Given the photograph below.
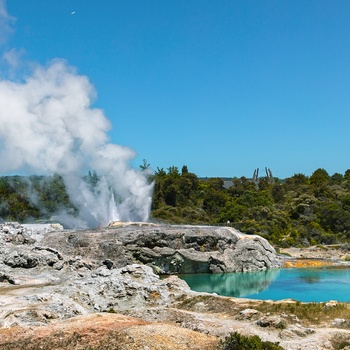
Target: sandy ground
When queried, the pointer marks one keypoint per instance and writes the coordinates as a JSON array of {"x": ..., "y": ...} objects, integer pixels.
[{"x": 105, "y": 331}]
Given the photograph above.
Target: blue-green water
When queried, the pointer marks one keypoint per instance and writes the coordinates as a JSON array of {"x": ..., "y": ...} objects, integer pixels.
[{"x": 316, "y": 284}]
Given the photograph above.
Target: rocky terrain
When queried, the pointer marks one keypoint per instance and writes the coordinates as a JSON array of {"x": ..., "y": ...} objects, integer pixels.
[
  {"x": 98, "y": 289},
  {"x": 333, "y": 253}
]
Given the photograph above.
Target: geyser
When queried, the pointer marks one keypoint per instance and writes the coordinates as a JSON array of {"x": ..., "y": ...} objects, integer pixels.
[{"x": 48, "y": 126}]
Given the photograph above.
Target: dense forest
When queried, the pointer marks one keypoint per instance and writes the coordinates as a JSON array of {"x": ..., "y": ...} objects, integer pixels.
[{"x": 296, "y": 211}]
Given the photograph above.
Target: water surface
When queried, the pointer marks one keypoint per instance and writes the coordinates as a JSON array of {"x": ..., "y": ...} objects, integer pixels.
[{"x": 303, "y": 284}]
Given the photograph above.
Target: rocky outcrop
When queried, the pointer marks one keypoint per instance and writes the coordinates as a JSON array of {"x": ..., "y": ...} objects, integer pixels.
[
  {"x": 170, "y": 249},
  {"x": 167, "y": 249},
  {"x": 40, "y": 283},
  {"x": 48, "y": 273},
  {"x": 201, "y": 250}
]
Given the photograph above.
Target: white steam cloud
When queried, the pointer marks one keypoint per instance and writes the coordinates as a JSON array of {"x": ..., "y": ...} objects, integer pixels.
[{"x": 47, "y": 126}]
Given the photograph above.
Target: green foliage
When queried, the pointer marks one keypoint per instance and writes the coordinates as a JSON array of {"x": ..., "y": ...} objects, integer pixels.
[
  {"x": 297, "y": 180},
  {"x": 308, "y": 313},
  {"x": 255, "y": 198},
  {"x": 145, "y": 165},
  {"x": 173, "y": 188},
  {"x": 236, "y": 341},
  {"x": 29, "y": 198},
  {"x": 319, "y": 177},
  {"x": 340, "y": 342},
  {"x": 337, "y": 178},
  {"x": 297, "y": 211}
]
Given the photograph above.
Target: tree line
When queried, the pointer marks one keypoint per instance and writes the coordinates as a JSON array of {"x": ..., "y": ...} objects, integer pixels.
[{"x": 296, "y": 211}]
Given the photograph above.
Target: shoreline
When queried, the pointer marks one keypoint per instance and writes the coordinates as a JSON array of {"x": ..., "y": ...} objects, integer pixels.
[{"x": 314, "y": 256}]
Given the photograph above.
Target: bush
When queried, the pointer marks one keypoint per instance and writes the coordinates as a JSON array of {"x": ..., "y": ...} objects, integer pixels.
[{"x": 236, "y": 341}]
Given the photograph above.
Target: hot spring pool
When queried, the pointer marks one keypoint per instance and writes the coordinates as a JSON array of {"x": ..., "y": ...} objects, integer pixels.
[{"x": 302, "y": 284}]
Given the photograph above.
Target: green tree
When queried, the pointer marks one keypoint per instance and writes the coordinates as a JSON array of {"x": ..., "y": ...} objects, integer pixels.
[
  {"x": 319, "y": 177},
  {"x": 337, "y": 178},
  {"x": 145, "y": 165},
  {"x": 232, "y": 211},
  {"x": 216, "y": 183},
  {"x": 173, "y": 172},
  {"x": 184, "y": 170},
  {"x": 171, "y": 195},
  {"x": 297, "y": 179},
  {"x": 251, "y": 198},
  {"x": 347, "y": 175}
]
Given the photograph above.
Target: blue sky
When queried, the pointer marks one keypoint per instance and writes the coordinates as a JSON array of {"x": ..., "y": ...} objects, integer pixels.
[{"x": 223, "y": 87}]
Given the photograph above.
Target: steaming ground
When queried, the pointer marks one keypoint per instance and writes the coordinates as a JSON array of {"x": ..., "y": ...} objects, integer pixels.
[{"x": 49, "y": 127}]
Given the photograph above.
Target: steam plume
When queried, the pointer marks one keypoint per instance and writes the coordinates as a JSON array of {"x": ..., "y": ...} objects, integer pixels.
[{"x": 47, "y": 125}]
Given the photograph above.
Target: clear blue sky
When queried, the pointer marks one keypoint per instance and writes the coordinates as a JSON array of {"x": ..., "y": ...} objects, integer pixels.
[{"x": 221, "y": 86}]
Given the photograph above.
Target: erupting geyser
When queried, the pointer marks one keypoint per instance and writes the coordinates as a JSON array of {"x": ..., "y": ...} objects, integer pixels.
[{"x": 49, "y": 127}]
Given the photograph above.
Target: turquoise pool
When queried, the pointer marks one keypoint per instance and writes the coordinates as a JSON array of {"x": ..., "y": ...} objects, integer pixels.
[{"x": 302, "y": 284}]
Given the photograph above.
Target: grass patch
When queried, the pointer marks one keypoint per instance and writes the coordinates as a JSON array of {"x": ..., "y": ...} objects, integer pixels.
[
  {"x": 285, "y": 254},
  {"x": 307, "y": 313},
  {"x": 322, "y": 247},
  {"x": 113, "y": 340},
  {"x": 213, "y": 304},
  {"x": 315, "y": 313}
]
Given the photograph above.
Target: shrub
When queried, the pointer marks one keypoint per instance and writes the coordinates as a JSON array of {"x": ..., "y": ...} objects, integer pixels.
[
  {"x": 236, "y": 341},
  {"x": 340, "y": 342}
]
